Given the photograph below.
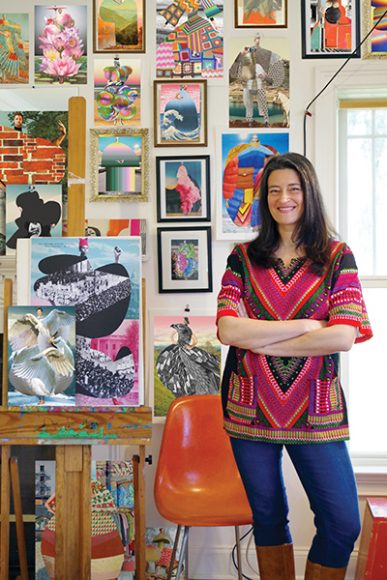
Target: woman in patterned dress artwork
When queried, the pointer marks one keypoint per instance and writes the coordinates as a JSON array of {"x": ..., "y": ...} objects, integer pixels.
[{"x": 290, "y": 301}]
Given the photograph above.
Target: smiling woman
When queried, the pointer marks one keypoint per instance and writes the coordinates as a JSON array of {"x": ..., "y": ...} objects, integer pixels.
[
  {"x": 285, "y": 200},
  {"x": 290, "y": 301}
]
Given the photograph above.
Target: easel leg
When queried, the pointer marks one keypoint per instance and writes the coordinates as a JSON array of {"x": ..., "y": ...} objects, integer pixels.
[
  {"x": 17, "y": 503},
  {"x": 73, "y": 512},
  {"x": 139, "y": 511},
  {"x": 5, "y": 507}
]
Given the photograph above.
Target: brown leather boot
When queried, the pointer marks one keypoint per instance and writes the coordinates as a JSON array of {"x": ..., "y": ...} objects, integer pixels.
[
  {"x": 276, "y": 562},
  {"x": 318, "y": 572}
]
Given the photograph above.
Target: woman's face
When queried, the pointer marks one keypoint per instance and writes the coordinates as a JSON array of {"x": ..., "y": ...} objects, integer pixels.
[{"x": 285, "y": 197}]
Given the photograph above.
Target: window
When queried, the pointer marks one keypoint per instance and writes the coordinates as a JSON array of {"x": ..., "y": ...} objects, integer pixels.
[{"x": 363, "y": 224}]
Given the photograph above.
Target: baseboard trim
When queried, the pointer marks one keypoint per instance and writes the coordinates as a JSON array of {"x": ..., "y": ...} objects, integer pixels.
[{"x": 215, "y": 563}]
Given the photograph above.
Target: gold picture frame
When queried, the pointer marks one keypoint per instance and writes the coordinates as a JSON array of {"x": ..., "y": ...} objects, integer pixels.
[
  {"x": 369, "y": 15},
  {"x": 119, "y": 164}
]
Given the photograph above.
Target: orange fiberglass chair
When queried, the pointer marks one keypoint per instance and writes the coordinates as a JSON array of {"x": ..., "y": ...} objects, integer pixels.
[{"x": 197, "y": 481}]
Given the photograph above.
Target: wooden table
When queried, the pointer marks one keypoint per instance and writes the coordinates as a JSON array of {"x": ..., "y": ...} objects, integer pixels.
[{"x": 73, "y": 431}]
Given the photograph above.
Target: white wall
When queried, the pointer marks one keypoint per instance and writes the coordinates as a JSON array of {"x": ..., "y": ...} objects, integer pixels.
[{"x": 210, "y": 548}]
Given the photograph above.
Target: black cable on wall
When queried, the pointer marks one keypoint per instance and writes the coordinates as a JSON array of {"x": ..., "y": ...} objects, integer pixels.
[{"x": 307, "y": 113}]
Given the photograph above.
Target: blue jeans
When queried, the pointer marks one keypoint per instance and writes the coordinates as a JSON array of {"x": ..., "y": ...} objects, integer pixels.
[{"x": 326, "y": 474}]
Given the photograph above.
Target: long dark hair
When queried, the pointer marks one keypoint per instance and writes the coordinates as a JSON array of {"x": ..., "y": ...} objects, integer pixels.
[{"x": 313, "y": 233}]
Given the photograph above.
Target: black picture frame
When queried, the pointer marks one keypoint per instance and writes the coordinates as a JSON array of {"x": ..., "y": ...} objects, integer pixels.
[
  {"x": 184, "y": 259},
  {"x": 192, "y": 201},
  {"x": 324, "y": 37}
]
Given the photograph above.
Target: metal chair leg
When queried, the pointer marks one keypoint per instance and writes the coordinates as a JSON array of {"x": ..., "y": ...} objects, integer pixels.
[
  {"x": 183, "y": 555},
  {"x": 238, "y": 550},
  {"x": 173, "y": 557},
  {"x": 186, "y": 566}
]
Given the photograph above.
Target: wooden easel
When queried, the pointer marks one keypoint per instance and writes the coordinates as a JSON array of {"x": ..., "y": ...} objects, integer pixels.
[{"x": 73, "y": 431}]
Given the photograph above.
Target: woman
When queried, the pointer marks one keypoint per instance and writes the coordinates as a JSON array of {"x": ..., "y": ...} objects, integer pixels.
[{"x": 290, "y": 301}]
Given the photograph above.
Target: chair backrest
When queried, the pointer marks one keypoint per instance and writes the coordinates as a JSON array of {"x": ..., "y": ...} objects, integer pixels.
[{"x": 197, "y": 480}]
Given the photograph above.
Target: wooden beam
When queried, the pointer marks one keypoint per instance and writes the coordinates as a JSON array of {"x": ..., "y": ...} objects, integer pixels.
[
  {"x": 139, "y": 515},
  {"x": 4, "y": 508},
  {"x": 7, "y": 303},
  {"x": 76, "y": 166},
  {"x": 18, "y": 508}
]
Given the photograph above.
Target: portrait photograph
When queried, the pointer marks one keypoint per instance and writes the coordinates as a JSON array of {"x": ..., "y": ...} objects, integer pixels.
[
  {"x": 183, "y": 188},
  {"x": 260, "y": 13},
  {"x": 14, "y": 48},
  {"x": 242, "y": 158},
  {"x": 189, "y": 39},
  {"x": 330, "y": 29},
  {"x": 184, "y": 259},
  {"x": 119, "y": 164},
  {"x": 180, "y": 113},
  {"x": 61, "y": 45},
  {"x": 117, "y": 91},
  {"x": 187, "y": 357},
  {"x": 259, "y": 81},
  {"x": 119, "y": 26}
]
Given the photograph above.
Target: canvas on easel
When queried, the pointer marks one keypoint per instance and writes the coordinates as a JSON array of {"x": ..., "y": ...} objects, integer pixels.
[{"x": 102, "y": 278}]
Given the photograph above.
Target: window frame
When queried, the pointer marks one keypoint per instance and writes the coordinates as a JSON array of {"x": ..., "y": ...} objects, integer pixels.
[{"x": 365, "y": 82}]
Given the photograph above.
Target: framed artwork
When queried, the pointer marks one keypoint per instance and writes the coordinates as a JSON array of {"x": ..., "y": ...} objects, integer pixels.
[
  {"x": 187, "y": 357},
  {"x": 242, "y": 157},
  {"x": 330, "y": 29},
  {"x": 259, "y": 81},
  {"x": 183, "y": 188},
  {"x": 119, "y": 164},
  {"x": 61, "y": 45},
  {"x": 373, "y": 12},
  {"x": 180, "y": 113},
  {"x": 95, "y": 227},
  {"x": 189, "y": 39},
  {"x": 101, "y": 277},
  {"x": 119, "y": 26},
  {"x": 32, "y": 211},
  {"x": 41, "y": 356},
  {"x": 184, "y": 259},
  {"x": 117, "y": 91},
  {"x": 262, "y": 14},
  {"x": 14, "y": 48}
]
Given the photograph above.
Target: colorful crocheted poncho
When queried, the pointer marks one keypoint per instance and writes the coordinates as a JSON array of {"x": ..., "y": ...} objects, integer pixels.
[{"x": 289, "y": 399}]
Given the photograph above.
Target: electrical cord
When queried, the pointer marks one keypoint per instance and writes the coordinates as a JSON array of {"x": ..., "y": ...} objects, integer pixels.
[
  {"x": 307, "y": 112},
  {"x": 233, "y": 553}
]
